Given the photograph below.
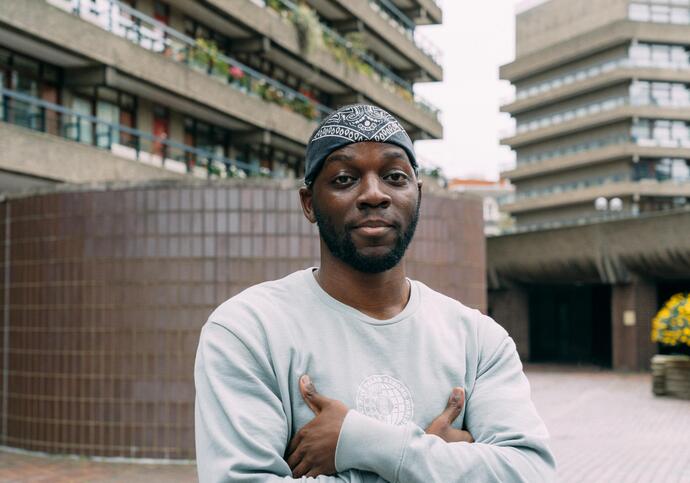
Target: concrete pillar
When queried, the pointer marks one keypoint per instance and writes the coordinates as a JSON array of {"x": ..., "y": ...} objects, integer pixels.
[
  {"x": 633, "y": 306},
  {"x": 510, "y": 308}
]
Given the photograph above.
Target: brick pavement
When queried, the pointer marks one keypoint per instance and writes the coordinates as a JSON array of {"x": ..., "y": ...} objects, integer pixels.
[{"x": 606, "y": 427}]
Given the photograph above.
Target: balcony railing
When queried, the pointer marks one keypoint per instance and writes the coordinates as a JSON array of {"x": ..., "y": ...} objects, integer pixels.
[
  {"x": 387, "y": 77},
  {"x": 128, "y": 23},
  {"x": 592, "y": 71},
  {"x": 408, "y": 28},
  {"x": 636, "y": 99},
  {"x": 123, "y": 141},
  {"x": 602, "y": 217},
  {"x": 586, "y": 183}
]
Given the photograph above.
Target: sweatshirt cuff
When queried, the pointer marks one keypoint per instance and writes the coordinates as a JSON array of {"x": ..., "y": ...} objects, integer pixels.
[{"x": 368, "y": 444}]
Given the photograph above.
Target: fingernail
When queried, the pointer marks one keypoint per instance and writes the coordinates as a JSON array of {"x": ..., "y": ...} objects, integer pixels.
[
  {"x": 456, "y": 395},
  {"x": 306, "y": 380}
]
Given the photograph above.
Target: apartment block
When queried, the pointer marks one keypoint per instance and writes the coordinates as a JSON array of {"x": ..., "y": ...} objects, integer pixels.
[
  {"x": 99, "y": 90},
  {"x": 601, "y": 109}
]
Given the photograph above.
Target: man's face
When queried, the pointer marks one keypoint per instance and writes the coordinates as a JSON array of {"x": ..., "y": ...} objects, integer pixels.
[{"x": 365, "y": 201}]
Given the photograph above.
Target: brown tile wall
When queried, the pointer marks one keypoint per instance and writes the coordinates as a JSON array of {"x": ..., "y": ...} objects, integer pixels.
[{"x": 109, "y": 289}]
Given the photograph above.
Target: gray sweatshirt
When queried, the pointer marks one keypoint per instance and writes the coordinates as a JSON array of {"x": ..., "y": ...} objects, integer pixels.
[{"x": 395, "y": 375}]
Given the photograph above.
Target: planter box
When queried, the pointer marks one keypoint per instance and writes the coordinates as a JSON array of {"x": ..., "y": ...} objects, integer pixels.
[{"x": 671, "y": 375}]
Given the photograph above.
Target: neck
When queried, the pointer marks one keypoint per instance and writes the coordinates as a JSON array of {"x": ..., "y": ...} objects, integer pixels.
[{"x": 379, "y": 295}]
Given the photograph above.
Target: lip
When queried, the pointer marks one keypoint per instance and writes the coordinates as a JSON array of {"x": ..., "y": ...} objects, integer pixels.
[
  {"x": 373, "y": 228},
  {"x": 373, "y": 223}
]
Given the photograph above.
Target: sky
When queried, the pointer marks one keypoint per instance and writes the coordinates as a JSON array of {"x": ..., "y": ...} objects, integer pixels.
[{"x": 475, "y": 38}]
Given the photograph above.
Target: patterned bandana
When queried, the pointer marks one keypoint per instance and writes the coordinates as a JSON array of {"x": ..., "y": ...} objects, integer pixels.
[{"x": 354, "y": 124}]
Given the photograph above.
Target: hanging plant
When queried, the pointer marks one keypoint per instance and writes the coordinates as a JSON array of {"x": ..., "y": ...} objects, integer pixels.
[
  {"x": 671, "y": 326},
  {"x": 309, "y": 31}
]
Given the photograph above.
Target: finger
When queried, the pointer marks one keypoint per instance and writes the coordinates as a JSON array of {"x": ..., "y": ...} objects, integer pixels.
[
  {"x": 294, "y": 443},
  {"x": 295, "y": 458},
  {"x": 301, "y": 470},
  {"x": 454, "y": 406},
  {"x": 314, "y": 400}
]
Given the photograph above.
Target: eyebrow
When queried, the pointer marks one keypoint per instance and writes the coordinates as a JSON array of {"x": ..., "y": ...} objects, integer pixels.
[
  {"x": 339, "y": 157},
  {"x": 394, "y": 154}
]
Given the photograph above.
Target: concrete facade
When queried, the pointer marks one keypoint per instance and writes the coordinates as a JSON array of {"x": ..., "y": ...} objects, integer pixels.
[
  {"x": 632, "y": 257},
  {"x": 590, "y": 108},
  {"x": 228, "y": 77}
]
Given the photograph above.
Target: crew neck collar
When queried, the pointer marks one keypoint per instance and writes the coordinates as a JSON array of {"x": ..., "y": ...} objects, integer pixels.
[{"x": 410, "y": 307}]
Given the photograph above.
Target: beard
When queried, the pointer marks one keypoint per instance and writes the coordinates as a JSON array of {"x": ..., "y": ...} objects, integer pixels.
[{"x": 340, "y": 244}]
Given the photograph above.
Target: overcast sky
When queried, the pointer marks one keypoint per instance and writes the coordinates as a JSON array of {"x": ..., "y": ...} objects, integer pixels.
[{"x": 476, "y": 38}]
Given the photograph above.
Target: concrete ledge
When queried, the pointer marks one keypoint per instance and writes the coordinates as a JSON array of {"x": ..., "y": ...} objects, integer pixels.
[
  {"x": 624, "y": 189},
  {"x": 604, "y": 80},
  {"x": 47, "y": 156},
  {"x": 596, "y": 120},
  {"x": 598, "y": 40},
  {"x": 601, "y": 155},
  {"x": 284, "y": 35},
  {"x": 54, "y": 26},
  {"x": 376, "y": 23},
  {"x": 653, "y": 244}
]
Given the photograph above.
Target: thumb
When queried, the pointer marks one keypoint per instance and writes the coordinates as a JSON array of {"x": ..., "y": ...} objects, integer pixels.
[
  {"x": 455, "y": 403},
  {"x": 314, "y": 400}
]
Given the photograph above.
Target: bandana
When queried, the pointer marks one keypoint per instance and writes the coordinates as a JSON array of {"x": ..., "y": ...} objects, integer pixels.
[{"x": 353, "y": 124}]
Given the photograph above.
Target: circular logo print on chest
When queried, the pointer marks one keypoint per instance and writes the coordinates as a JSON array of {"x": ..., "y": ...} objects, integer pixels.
[{"x": 386, "y": 399}]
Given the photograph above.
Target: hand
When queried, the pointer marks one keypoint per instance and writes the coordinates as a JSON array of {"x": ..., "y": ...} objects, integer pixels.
[
  {"x": 441, "y": 426},
  {"x": 312, "y": 451}
]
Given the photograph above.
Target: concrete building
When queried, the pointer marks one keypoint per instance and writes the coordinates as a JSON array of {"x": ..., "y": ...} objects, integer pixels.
[
  {"x": 602, "y": 108},
  {"x": 491, "y": 192},
  {"x": 602, "y": 179},
  {"x": 155, "y": 89}
]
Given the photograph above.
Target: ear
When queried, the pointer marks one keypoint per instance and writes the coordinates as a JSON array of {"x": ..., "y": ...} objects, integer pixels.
[
  {"x": 306, "y": 197},
  {"x": 419, "y": 189}
]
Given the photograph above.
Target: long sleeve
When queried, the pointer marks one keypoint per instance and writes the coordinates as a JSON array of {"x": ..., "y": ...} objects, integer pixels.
[
  {"x": 241, "y": 426},
  {"x": 510, "y": 438}
]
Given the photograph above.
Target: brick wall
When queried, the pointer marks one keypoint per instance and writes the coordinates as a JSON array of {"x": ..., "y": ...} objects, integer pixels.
[{"x": 109, "y": 289}]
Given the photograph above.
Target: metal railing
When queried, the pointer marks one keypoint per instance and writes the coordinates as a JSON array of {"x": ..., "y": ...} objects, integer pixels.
[
  {"x": 589, "y": 72},
  {"x": 406, "y": 26},
  {"x": 587, "y": 183},
  {"x": 385, "y": 75},
  {"x": 123, "y": 141},
  {"x": 585, "y": 220},
  {"x": 129, "y": 23}
]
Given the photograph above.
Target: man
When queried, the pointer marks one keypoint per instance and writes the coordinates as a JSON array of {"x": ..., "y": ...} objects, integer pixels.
[{"x": 332, "y": 372}]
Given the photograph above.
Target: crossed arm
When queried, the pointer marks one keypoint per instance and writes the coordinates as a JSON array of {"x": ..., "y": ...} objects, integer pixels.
[
  {"x": 312, "y": 451},
  {"x": 242, "y": 427}
]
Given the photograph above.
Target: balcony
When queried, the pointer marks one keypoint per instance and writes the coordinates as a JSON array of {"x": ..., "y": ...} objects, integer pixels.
[
  {"x": 422, "y": 12},
  {"x": 624, "y": 148},
  {"x": 386, "y": 34},
  {"x": 349, "y": 69},
  {"x": 154, "y": 62},
  {"x": 617, "y": 33},
  {"x": 586, "y": 118},
  {"x": 585, "y": 191},
  {"x": 593, "y": 78},
  {"x": 171, "y": 159}
]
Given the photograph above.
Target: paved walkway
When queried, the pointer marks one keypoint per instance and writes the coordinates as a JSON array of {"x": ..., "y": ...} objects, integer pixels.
[{"x": 606, "y": 427}]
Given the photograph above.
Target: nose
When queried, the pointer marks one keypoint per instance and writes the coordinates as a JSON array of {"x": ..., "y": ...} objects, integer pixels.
[{"x": 372, "y": 193}]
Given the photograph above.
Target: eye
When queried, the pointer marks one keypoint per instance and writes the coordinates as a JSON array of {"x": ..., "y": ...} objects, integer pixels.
[
  {"x": 397, "y": 178},
  {"x": 343, "y": 180}
]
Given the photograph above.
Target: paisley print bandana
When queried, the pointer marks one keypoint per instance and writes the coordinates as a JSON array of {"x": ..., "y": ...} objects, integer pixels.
[{"x": 353, "y": 124}]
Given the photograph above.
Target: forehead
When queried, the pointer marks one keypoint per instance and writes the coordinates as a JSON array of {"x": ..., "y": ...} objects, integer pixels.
[{"x": 367, "y": 153}]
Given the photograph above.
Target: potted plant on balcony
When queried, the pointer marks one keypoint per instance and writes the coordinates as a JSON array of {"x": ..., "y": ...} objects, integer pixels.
[{"x": 671, "y": 330}]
